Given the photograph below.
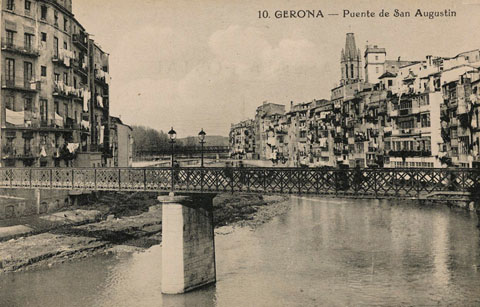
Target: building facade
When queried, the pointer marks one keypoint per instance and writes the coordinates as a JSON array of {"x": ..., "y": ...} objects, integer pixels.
[
  {"x": 55, "y": 86},
  {"x": 422, "y": 113}
]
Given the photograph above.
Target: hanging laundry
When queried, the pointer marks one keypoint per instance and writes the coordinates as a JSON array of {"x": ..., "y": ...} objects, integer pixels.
[
  {"x": 86, "y": 98},
  {"x": 102, "y": 131},
  {"x": 72, "y": 147},
  {"x": 100, "y": 101},
  {"x": 15, "y": 118},
  {"x": 85, "y": 124},
  {"x": 58, "y": 120},
  {"x": 43, "y": 152}
]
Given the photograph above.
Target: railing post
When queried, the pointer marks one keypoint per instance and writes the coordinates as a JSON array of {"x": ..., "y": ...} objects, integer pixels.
[
  {"x": 73, "y": 174},
  {"x": 264, "y": 181},
  {"x": 51, "y": 178},
  {"x": 418, "y": 182},
  {"x": 375, "y": 188},
  {"x": 335, "y": 176},
  {"x": 144, "y": 179},
  {"x": 95, "y": 178},
  {"x": 31, "y": 178},
  {"x": 172, "y": 179},
  {"x": 119, "y": 179},
  {"x": 201, "y": 180},
  {"x": 232, "y": 181},
  {"x": 299, "y": 178},
  {"x": 281, "y": 184}
]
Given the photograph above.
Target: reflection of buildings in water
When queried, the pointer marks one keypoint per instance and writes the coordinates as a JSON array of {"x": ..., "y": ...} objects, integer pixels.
[{"x": 441, "y": 247}]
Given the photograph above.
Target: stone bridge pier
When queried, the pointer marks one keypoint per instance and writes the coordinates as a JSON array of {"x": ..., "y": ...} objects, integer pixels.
[{"x": 188, "y": 245}]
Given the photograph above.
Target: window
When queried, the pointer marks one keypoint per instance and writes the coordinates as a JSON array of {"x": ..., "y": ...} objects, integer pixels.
[
  {"x": 10, "y": 103},
  {"x": 55, "y": 47},
  {"x": 390, "y": 82},
  {"x": 44, "y": 37},
  {"x": 74, "y": 82},
  {"x": 10, "y": 5},
  {"x": 376, "y": 58},
  {"x": 55, "y": 22},
  {"x": 377, "y": 70},
  {"x": 57, "y": 107},
  {"x": 43, "y": 110},
  {"x": 27, "y": 149},
  {"x": 351, "y": 71},
  {"x": 27, "y": 72},
  {"x": 346, "y": 71},
  {"x": 44, "y": 71},
  {"x": 10, "y": 37},
  {"x": 10, "y": 70},
  {"x": 65, "y": 45},
  {"x": 65, "y": 78},
  {"x": 44, "y": 13},
  {"x": 65, "y": 24},
  {"x": 28, "y": 4},
  {"x": 57, "y": 77},
  {"x": 425, "y": 119},
  {"x": 28, "y": 104},
  {"x": 28, "y": 38}
]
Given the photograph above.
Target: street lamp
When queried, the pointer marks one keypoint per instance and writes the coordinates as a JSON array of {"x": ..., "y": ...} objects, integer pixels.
[
  {"x": 172, "y": 135},
  {"x": 201, "y": 137}
]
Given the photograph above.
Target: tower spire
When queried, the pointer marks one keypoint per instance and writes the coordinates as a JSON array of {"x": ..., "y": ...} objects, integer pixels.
[{"x": 350, "y": 61}]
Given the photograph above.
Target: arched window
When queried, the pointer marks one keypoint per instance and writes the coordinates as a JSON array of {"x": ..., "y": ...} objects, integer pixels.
[
  {"x": 346, "y": 71},
  {"x": 351, "y": 71}
]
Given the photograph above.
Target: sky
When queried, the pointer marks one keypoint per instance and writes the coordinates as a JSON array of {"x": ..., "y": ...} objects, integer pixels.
[{"x": 207, "y": 64}]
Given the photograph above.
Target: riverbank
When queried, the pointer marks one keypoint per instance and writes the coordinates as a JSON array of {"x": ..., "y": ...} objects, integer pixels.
[{"x": 119, "y": 223}]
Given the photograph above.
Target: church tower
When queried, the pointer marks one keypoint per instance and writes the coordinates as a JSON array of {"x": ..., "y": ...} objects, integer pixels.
[{"x": 350, "y": 61}]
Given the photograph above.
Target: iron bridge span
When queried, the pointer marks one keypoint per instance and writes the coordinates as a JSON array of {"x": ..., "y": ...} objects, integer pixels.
[{"x": 371, "y": 183}]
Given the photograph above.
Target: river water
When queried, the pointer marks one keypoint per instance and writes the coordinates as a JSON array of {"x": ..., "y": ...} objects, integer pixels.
[{"x": 324, "y": 252}]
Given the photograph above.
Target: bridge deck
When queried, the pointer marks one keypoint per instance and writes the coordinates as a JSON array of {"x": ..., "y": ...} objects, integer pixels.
[{"x": 375, "y": 183}]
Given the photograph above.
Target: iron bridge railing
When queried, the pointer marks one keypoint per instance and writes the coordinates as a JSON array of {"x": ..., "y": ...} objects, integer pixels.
[{"x": 378, "y": 183}]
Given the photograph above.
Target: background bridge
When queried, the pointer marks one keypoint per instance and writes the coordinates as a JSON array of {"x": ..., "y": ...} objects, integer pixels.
[{"x": 378, "y": 183}]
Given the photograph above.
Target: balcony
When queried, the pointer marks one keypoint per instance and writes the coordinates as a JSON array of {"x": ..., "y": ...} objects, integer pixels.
[
  {"x": 59, "y": 60},
  {"x": 409, "y": 153},
  {"x": 19, "y": 48},
  {"x": 66, "y": 91},
  {"x": 80, "y": 40},
  {"x": 80, "y": 67},
  {"x": 102, "y": 77},
  {"x": 20, "y": 84},
  {"x": 9, "y": 151}
]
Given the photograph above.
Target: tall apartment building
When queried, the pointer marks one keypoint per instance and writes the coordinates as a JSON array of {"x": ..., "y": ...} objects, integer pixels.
[
  {"x": 54, "y": 90},
  {"x": 265, "y": 116},
  {"x": 242, "y": 139},
  {"x": 404, "y": 114}
]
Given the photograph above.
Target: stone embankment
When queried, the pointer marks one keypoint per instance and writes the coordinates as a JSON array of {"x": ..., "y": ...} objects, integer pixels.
[{"x": 116, "y": 222}]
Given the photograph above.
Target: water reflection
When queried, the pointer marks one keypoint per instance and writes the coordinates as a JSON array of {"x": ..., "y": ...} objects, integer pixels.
[{"x": 324, "y": 252}]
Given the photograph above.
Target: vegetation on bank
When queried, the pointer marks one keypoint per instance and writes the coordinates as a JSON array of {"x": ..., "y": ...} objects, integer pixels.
[{"x": 148, "y": 139}]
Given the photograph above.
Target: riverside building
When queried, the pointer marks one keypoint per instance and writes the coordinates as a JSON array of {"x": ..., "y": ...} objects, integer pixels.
[
  {"x": 55, "y": 88},
  {"x": 422, "y": 113}
]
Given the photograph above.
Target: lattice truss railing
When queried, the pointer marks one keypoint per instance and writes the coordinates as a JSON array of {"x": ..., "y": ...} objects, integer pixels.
[{"x": 360, "y": 182}]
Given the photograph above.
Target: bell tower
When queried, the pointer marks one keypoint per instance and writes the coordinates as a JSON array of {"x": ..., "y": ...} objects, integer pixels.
[{"x": 350, "y": 61}]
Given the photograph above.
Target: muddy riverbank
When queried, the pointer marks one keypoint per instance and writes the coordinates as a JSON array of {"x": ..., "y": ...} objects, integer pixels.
[{"x": 117, "y": 223}]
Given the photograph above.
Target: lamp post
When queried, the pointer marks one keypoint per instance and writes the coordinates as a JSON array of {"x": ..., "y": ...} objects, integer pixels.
[
  {"x": 172, "y": 135},
  {"x": 201, "y": 137}
]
